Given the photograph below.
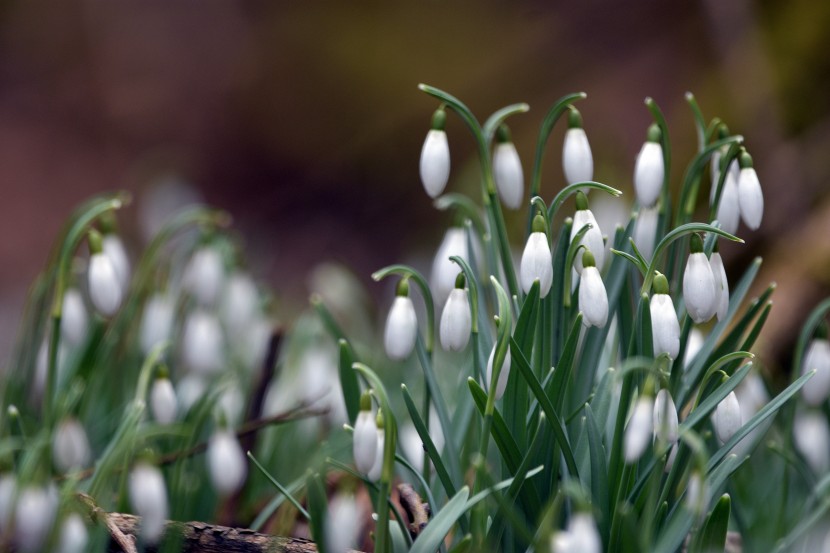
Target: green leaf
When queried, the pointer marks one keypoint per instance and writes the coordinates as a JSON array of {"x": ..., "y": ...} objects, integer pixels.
[
  {"x": 464, "y": 545},
  {"x": 500, "y": 432},
  {"x": 553, "y": 115},
  {"x": 348, "y": 380},
  {"x": 712, "y": 537},
  {"x": 317, "y": 507},
  {"x": 327, "y": 318},
  {"x": 599, "y": 468},
  {"x": 282, "y": 489},
  {"x": 562, "y": 375},
  {"x": 442, "y": 522}
]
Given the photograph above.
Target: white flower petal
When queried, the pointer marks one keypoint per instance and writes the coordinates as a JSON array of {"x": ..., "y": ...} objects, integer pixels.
[
  {"x": 648, "y": 174},
  {"x": 537, "y": 263},
  {"x": 34, "y": 516},
  {"x": 665, "y": 327},
  {"x": 377, "y": 465},
  {"x": 817, "y": 357},
  {"x": 163, "y": 401},
  {"x": 104, "y": 288},
  {"x": 811, "y": 435},
  {"x": 74, "y": 318},
  {"x": 148, "y": 496},
  {"x": 344, "y": 522},
  {"x": 727, "y": 418},
  {"x": 665, "y": 418},
  {"x": 365, "y": 441},
  {"x": 721, "y": 285},
  {"x": 729, "y": 211},
  {"x": 593, "y": 299},
  {"x": 577, "y": 160},
  {"x": 157, "y": 321},
  {"x": 226, "y": 462},
  {"x": 699, "y": 288},
  {"x": 639, "y": 430},
  {"x": 750, "y": 198},
  {"x": 503, "y": 375},
  {"x": 204, "y": 275},
  {"x": 645, "y": 231},
  {"x": 401, "y": 329},
  {"x": 70, "y": 446},
  {"x": 74, "y": 535},
  {"x": 444, "y": 271},
  {"x": 456, "y": 321},
  {"x": 435, "y": 162},
  {"x": 592, "y": 239},
  {"x": 507, "y": 172},
  {"x": 584, "y": 535},
  {"x": 113, "y": 248},
  {"x": 203, "y": 343}
]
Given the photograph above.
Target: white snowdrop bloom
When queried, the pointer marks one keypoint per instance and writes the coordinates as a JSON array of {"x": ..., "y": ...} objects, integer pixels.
[
  {"x": 411, "y": 443},
  {"x": 721, "y": 284},
  {"x": 343, "y": 523},
  {"x": 593, "y": 299},
  {"x": 365, "y": 437},
  {"x": 577, "y": 160},
  {"x": 665, "y": 418},
  {"x": 670, "y": 458},
  {"x": 34, "y": 516},
  {"x": 401, "y": 329},
  {"x": 507, "y": 170},
  {"x": 190, "y": 390},
  {"x": 693, "y": 345},
  {"x": 42, "y": 364},
  {"x": 645, "y": 231},
  {"x": 104, "y": 287},
  {"x": 156, "y": 321},
  {"x": 226, "y": 462},
  {"x": 148, "y": 496},
  {"x": 377, "y": 466},
  {"x": 204, "y": 275},
  {"x": 537, "y": 262},
  {"x": 665, "y": 328},
  {"x": 560, "y": 542},
  {"x": 729, "y": 211},
  {"x": 163, "y": 404},
  {"x": 231, "y": 403},
  {"x": 239, "y": 303},
  {"x": 714, "y": 171},
  {"x": 435, "y": 157},
  {"x": 70, "y": 446},
  {"x": 456, "y": 320},
  {"x": 699, "y": 284},
  {"x": 203, "y": 343},
  {"x": 811, "y": 435},
  {"x": 113, "y": 247},
  {"x": 503, "y": 375},
  {"x": 750, "y": 196},
  {"x": 74, "y": 535},
  {"x": 817, "y": 357},
  {"x": 74, "y": 320},
  {"x": 592, "y": 238},
  {"x": 649, "y": 170},
  {"x": 584, "y": 535},
  {"x": 727, "y": 418},
  {"x": 697, "y": 493},
  {"x": 444, "y": 271},
  {"x": 8, "y": 491},
  {"x": 638, "y": 433}
]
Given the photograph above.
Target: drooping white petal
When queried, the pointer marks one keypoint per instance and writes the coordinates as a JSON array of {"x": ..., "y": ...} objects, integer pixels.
[
  {"x": 507, "y": 172},
  {"x": 693, "y": 346},
  {"x": 444, "y": 271},
  {"x": 226, "y": 462},
  {"x": 189, "y": 390},
  {"x": 537, "y": 263},
  {"x": 377, "y": 465},
  {"x": 592, "y": 239},
  {"x": 204, "y": 275},
  {"x": 665, "y": 328},
  {"x": 645, "y": 231},
  {"x": 577, "y": 160},
  {"x": 148, "y": 496},
  {"x": 239, "y": 304},
  {"x": 104, "y": 288},
  {"x": 70, "y": 446},
  {"x": 163, "y": 403},
  {"x": 750, "y": 198},
  {"x": 699, "y": 288},
  {"x": 729, "y": 211},
  {"x": 648, "y": 173},
  {"x": 74, "y": 318},
  {"x": 203, "y": 343},
  {"x": 365, "y": 441},
  {"x": 721, "y": 284},
  {"x": 593, "y": 299},
  {"x": 343, "y": 523},
  {"x": 114, "y": 248},
  {"x": 157, "y": 321},
  {"x": 817, "y": 357},
  {"x": 74, "y": 535},
  {"x": 456, "y": 321},
  {"x": 727, "y": 418},
  {"x": 435, "y": 163},
  {"x": 584, "y": 535},
  {"x": 401, "y": 329},
  {"x": 639, "y": 430},
  {"x": 811, "y": 435},
  {"x": 665, "y": 418},
  {"x": 34, "y": 516},
  {"x": 503, "y": 375}
]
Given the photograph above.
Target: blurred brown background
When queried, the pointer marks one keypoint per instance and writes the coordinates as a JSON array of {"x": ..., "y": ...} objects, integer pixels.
[{"x": 303, "y": 119}]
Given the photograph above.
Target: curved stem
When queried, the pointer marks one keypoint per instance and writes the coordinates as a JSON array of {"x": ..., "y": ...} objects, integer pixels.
[
  {"x": 556, "y": 111},
  {"x": 493, "y": 122},
  {"x": 572, "y": 189},
  {"x": 409, "y": 272}
]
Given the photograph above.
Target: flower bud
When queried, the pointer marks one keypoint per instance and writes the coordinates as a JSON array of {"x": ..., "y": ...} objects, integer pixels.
[
  {"x": 203, "y": 275},
  {"x": 721, "y": 284},
  {"x": 435, "y": 157},
  {"x": 203, "y": 343},
  {"x": 649, "y": 170},
  {"x": 665, "y": 328},
  {"x": 593, "y": 299},
  {"x": 148, "y": 496},
  {"x": 73, "y": 317},
  {"x": 240, "y": 303},
  {"x": 74, "y": 535},
  {"x": 456, "y": 320},
  {"x": 727, "y": 418},
  {"x": 729, "y": 211},
  {"x": 377, "y": 465},
  {"x": 507, "y": 170},
  {"x": 365, "y": 437},
  {"x": 163, "y": 403},
  {"x": 639, "y": 430},
  {"x": 750, "y": 196},
  {"x": 113, "y": 248},
  {"x": 811, "y": 436},
  {"x": 104, "y": 287},
  {"x": 817, "y": 357},
  {"x": 344, "y": 522},
  {"x": 592, "y": 239},
  {"x": 584, "y": 535},
  {"x": 699, "y": 284},
  {"x": 401, "y": 325},
  {"x": 157, "y": 321},
  {"x": 645, "y": 231},
  {"x": 190, "y": 390},
  {"x": 34, "y": 516},
  {"x": 70, "y": 446},
  {"x": 537, "y": 262},
  {"x": 505, "y": 372},
  {"x": 665, "y": 418},
  {"x": 697, "y": 493},
  {"x": 577, "y": 160},
  {"x": 226, "y": 462},
  {"x": 444, "y": 271}
]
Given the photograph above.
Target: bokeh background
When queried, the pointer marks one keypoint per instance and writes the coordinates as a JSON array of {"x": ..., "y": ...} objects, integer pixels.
[{"x": 303, "y": 120}]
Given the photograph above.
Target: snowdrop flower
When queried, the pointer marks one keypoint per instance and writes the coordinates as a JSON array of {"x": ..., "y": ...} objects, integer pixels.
[
  {"x": 750, "y": 196},
  {"x": 190, "y": 390},
  {"x": 226, "y": 462},
  {"x": 204, "y": 275},
  {"x": 435, "y": 156},
  {"x": 240, "y": 303},
  {"x": 231, "y": 403},
  {"x": 148, "y": 496},
  {"x": 505, "y": 372},
  {"x": 34, "y": 516},
  {"x": 444, "y": 271},
  {"x": 665, "y": 418},
  {"x": 104, "y": 287},
  {"x": 70, "y": 446},
  {"x": 365, "y": 436},
  {"x": 593, "y": 299},
  {"x": 716, "y": 161},
  {"x": 693, "y": 345},
  {"x": 639, "y": 430},
  {"x": 537, "y": 262},
  {"x": 645, "y": 231},
  {"x": 649, "y": 171},
  {"x": 721, "y": 283},
  {"x": 73, "y": 535},
  {"x": 74, "y": 318},
  {"x": 696, "y": 493},
  {"x": 411, "y": 443},
  {"x": 507, "y": 170},
  {"x": 811, "y": 435},
  {"x": 665, "y": 328},
  {"x": 343, "y": 523},
  {"x": 377, "y": 466},
  {"x": 592, "y": 238},
  {"x": 584, "y": 535},
  {"x": 203, "y": 343},
  {"x": 157, "y": 321},
  {"x": 163, "y": 403},
  {"x": 727, "y": 418},
  {"x": 817, "y": 358},
  {"x": 114, "y": 248},
  {"x": 456, "y": 319},
  {"x": 401, "y": 325},
  {"x": 699, "y": 284},
  {"x": 577, "y": 160},
  {"x": 729, "y": 211}
]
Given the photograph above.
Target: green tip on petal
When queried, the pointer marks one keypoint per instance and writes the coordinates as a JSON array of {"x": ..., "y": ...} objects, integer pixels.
[
  {"x": 163, "y": 371},
  {"x": 538, "y": 223},
  {"x": 439, "y": 119},
  {"x": 460, "y": 281},
  {"x": 503, "y": 134},
  {"x": 581, "y": 201},
  {"x": 588, "y": 259},
  {"x": 379, "y": 419},
  {"x": 95, "y": 242},
  {"x": 660, "y": 284},
  {"x": 723, "y": 131},
  {"x": 403, "y": 287},
  {"x": 648, "y": 388},
  {"x": 745, "y": 159},
  {"x": 822, "y": 331},
  {"x": 574, "y": 118},
  {"x": 696, "y": 244},
  {"x": 654, "y": 133},
  {"x": 366, "y": 401}
]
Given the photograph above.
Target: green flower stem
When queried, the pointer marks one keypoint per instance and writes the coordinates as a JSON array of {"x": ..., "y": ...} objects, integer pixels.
[
  {"x": 542, "y": 209},
  {"x": 409, "y": 272},
  {"x": 700, "y": 121},
  {"x": 691, "y": 179},
  {"x": 492, "y": 124},
  {"x": 563, "y": 194},
  {"x": 573, "y": 251},
  {"x": 464, "y": 205}
]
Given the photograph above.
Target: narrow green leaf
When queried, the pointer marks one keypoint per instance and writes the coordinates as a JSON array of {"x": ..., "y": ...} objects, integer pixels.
[
  {"x": 442, "y": 522},
  {"x": 317, "y": 507},
  {"x": 348, "y": 380},
  {"x": 501, "y": 434},
  {"x": 712, "y": 537},
  {"x": 562, "y": 375},
  {"x": 282, "y": 489}
]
